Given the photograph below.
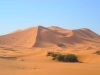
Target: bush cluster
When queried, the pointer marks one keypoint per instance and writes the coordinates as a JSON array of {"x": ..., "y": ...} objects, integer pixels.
[
  {"x": 97, "y": 52},
  {"x": 61, "y": 45},
  {"x": 64, "y": 58}
]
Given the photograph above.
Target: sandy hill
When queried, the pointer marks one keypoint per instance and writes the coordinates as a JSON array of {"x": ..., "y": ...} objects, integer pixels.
[
  {"x": 44, "y": 37},
  {"x": 16, "y": 59}
]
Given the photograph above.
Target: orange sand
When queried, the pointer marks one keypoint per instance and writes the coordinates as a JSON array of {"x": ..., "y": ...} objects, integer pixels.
[{"x": 31, "y": 45}]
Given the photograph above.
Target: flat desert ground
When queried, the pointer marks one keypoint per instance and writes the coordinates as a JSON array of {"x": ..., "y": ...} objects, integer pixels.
[{"x": 35, "y": 62}]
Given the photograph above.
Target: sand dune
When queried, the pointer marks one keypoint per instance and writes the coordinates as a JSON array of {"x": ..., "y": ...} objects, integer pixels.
[
  {"x": 16, "y": 31},
  {"x": 23, "y": 52},
  {"x": 43, "y": 37}
]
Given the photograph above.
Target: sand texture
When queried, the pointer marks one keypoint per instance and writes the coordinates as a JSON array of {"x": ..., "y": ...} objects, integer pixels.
[{"x": 23, "y": 52}]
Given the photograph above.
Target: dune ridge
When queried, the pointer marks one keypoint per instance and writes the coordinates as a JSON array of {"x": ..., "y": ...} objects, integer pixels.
[{"x": 40, "y": 36}]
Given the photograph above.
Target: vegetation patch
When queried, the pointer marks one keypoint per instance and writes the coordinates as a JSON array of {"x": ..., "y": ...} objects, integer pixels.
[
  {"x": 61, "y": 45},
  {"x": 63, "y": 57},
  {"x": 97, "y": 52},
  {"x": 4, "y": 57}
]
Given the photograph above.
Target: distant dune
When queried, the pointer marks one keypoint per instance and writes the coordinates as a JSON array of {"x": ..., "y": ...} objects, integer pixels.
[{"x": 40, "y": 36}]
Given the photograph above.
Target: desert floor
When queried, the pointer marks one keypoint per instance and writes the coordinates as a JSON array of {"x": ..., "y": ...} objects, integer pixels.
[{"x": 33, "y": 61}]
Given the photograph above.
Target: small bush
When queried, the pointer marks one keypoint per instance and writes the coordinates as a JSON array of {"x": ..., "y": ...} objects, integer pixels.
[
  {"x": 97, "y": 52},
  {"x": 61, "y": 57},
  {"x": 60, "y": 45},
  {"x": 70, "y": 58}
]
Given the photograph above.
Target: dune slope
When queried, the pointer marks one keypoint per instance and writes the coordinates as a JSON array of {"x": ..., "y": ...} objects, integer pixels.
[{"x": 43, "y": 37}]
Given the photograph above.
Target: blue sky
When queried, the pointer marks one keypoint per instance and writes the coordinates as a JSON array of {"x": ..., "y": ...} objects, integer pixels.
[{"x": 69, "y": 14}]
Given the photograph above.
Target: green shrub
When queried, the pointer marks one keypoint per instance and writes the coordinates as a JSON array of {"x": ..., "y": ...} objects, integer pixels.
[
  {"x": 70, "y": 58},
  {"x": 60, "y": 57},
  {"x": 60, "y": 45}
]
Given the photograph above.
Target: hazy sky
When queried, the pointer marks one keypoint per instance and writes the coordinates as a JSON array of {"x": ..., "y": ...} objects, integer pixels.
[{"x": 69, "y": 14}]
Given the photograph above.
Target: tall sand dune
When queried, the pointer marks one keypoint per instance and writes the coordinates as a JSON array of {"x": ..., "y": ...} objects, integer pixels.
[{"x": 44, "y": 37}]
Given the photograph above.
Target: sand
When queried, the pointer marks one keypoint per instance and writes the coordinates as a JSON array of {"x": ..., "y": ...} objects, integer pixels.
[
  {"x": 24, "y": 52},
  {"x": 34, "y": 61},
  {"x": 40, "y": 36}
]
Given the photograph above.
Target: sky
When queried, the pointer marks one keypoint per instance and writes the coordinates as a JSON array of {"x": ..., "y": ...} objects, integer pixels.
[{"x": 68, "y": 14}]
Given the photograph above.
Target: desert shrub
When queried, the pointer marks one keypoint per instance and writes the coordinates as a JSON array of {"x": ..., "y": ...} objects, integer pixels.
[
  {"x": 97, "y": 52},
  {"x": 70, "y": 58},
  {"x": 60, "y": 57},
  {"x": 60, "y": 45}
]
